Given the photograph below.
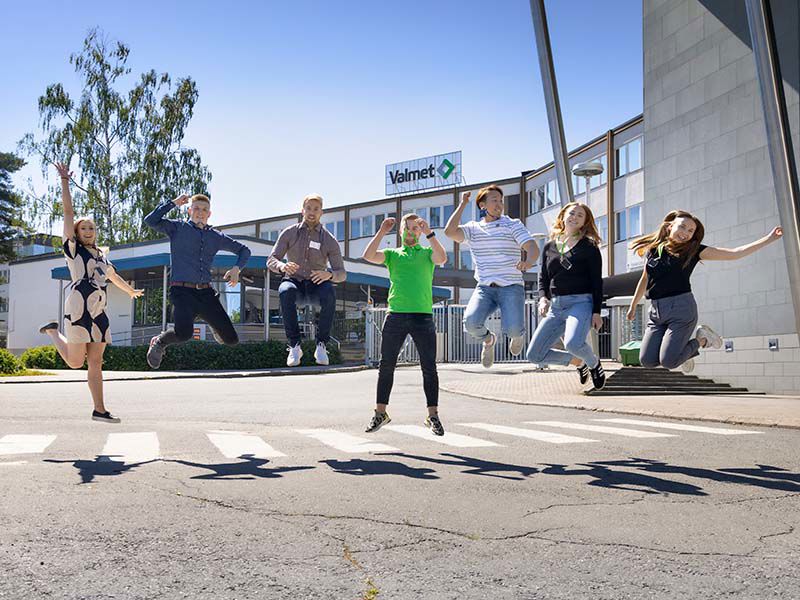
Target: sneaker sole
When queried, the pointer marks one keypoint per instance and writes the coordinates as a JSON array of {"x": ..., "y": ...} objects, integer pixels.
[
  {"x": 110, "y": 421},
  {"x": 386, "y": 422}
]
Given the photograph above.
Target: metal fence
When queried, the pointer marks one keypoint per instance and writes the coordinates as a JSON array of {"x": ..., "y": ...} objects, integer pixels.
[{"x": 452, "y": 343}]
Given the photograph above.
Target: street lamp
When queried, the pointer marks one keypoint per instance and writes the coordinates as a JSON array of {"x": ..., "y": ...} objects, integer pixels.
[{"x": 588, "y": 170}]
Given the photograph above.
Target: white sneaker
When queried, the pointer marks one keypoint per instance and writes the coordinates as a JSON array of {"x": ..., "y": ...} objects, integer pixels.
[
  {"x": 487, "y": 351},
  {"x": 712, "y": 337},
  {"x": 321, "y": 354},
  {"x": 295, "y": 354},
  {"x": 516, "y": 345},
  {"x": 688, "y": 366}
]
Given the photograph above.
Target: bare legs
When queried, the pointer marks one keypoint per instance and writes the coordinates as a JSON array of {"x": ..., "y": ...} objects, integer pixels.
[{"x": 75, "y": 355}]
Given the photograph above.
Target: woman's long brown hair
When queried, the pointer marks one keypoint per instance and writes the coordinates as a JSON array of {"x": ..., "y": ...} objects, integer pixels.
[
  {"x": 686, "y": 250},
  {"x": 589, "y": 229}
]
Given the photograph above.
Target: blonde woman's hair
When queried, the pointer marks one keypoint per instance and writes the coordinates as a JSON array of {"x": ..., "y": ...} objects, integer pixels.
[
  {"x": 686, "y": 250},
  {"x": 589, "y": 229}
]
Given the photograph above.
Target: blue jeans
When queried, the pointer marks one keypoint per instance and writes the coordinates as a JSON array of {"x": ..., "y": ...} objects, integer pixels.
[
  {"x": 570, "y": 316},
  {"x": 294, "y": 293},
  {"x": 510, "y": 299}
]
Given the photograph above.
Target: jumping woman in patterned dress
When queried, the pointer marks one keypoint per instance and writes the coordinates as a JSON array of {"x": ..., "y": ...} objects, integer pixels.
[{"x": 85, "y": 320}]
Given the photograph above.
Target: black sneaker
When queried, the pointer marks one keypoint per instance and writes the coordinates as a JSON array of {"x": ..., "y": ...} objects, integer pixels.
[
  {"x": 48, "y": 325},
  {"x": 155, "y": 353},
  {"x": 434, "y": 424},
  {"x": 598, "y": 376},
  {"x": 378, "y": 421},
  {"x": 105, "y": 417},
  {"x": 583, "y": 373}
]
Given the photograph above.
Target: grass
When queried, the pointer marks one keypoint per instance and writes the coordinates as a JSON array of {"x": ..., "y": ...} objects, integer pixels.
[{"x": 26, "y": 373}]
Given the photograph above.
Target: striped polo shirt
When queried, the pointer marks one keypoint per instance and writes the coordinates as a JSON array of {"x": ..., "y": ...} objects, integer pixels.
[{"x": 495, "y": 249}]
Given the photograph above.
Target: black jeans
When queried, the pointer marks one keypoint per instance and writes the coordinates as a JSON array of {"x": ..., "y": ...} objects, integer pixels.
[
  {"x": 187, "y": 305},
  {"x": 422, "y": 330}
]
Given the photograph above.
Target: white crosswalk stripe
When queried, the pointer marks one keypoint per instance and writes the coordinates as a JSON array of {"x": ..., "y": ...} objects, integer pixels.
[
  {"x": 345, "y": 442},
  {"x": 681, "y": 427},
  {"x": 634, "y": 433},
  {"x": 449, "y": 439},
  {"x": 541, "y": 436},
  {"x": 131, "y": 447},
  {"x": 234, "y": 444},
  {"x": 24, "y": 444}
]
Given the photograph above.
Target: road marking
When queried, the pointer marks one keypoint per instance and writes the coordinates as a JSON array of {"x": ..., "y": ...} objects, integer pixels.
[
  {"x": 24, "y": 444},
  {"x": 450, "y": 439},
  {"x": 634, "y": 433},
  {"x": 13, "y": 463},
  {"x": 234, "y": 444},
  {"x": 681, "y": 427},
  {"x": 131, "y": 447},
  {"x": 345, "y": 442},
  {"x": 541, "y": 436}
]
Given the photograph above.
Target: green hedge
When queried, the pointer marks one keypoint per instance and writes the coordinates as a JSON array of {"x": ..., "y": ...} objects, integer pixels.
[
  {"x": 191, "y": 356},
  {"x": 9, "y": 365}
]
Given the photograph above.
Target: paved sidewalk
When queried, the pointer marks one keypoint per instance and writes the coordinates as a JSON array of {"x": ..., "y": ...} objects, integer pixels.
[
  {"x": 559, "y": 387},
  {"x": 62, "y": 376}
]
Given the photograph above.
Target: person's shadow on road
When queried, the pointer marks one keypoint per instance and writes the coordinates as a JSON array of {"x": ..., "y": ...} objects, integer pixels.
[
  {"x": 359, "y": 466},
  {"x": 249, "y": 467},
  {"x": 476, "y": 466},
  {"x": 603, "y": 476},
  {"x": 102, "y": 466}
]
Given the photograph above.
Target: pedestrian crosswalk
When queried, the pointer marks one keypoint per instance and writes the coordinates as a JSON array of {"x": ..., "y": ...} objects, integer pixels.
[{"x": 275, "y": 443}]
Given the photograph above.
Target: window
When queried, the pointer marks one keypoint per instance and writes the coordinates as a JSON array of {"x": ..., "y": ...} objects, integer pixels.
[
  {"x": 449, "y": 209},
  {"x": 629, "y": 157},
  {"x": 466, "y": 259},
  {"x": 331, "y": 227},
  {"x": 469, "y": 213},
  {"x": 5, "y": 276},
  {"x": 3, "y": 305},
  {"x": 270, "y": 234},
  {"x": 601, "y": 179},
  {"x": 340, "y": 231},
  {"x": 552, "y": 197},
  {"x": 451, "y": 260},
  {"x": 422, "y": 213},
  {"x": 629, "y": 223},
  {"x": 602, "y": 228},
  {"x": 367, "y": 226},
  {"x": 436, "y": 217},
  {"x": 578, "y": 185},
  {"x": 543, "y": 196},
  {"x": 355, "y": 228}
]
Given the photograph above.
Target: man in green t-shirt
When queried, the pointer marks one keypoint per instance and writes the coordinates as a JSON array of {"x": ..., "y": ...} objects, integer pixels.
[{"x": 410, "y": 311}]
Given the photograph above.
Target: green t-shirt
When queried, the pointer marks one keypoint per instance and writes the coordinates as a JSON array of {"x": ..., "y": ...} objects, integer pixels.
[{"x": 411, "y": 274}]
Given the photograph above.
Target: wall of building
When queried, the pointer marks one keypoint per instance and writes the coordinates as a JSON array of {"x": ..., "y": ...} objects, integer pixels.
[{"x": 706, "y": 152}]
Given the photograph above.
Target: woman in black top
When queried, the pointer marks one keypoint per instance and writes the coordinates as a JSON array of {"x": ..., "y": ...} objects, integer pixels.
[
  {"x": 672, "y": 338},
  {"x": 570, "y": 294}
]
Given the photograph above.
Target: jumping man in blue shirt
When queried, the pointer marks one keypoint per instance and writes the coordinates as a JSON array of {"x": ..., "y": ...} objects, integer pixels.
[{"x": 193, "y": 245}]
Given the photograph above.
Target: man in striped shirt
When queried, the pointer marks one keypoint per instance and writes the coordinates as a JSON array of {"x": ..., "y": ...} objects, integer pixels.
[{"x": 495, "y": 243}]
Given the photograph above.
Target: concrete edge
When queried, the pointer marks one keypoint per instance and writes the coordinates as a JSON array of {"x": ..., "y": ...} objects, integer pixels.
[
  {"x": 284, "y": 371},
  {"x": 645, "y": 413}
]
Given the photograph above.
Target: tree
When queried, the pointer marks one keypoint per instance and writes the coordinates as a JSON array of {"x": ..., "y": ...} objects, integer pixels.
[
  {"x": 128, "y": 145},
  {"x": 10, "y": 204}
]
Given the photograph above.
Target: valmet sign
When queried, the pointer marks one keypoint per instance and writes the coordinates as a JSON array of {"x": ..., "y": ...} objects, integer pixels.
[{"x": 423, "y": 173}]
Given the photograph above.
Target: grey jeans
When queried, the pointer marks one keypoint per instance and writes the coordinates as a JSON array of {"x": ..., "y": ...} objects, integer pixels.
[{"x": 669, "y": 336}]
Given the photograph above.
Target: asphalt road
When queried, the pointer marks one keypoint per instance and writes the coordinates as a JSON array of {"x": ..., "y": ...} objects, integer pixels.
[{"x": 264, "y": 488}]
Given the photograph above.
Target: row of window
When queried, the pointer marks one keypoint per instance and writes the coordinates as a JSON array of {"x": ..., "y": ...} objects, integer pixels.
[{"x": 5, "y": 276}]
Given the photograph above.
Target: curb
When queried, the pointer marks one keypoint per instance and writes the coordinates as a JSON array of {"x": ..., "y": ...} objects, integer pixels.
[
  {"x": 651, "y": 413},
  {"x": 280, "y": 372}
]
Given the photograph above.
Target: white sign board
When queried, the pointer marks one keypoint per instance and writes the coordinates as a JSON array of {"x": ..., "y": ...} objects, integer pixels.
[{"x": 423, "y": 173}]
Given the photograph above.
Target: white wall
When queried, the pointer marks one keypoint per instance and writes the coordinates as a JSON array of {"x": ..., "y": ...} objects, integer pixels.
[{"x": 33, "y": 299}]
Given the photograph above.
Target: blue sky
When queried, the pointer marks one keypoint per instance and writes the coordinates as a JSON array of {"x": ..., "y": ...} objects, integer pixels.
[{"x": 313, "y": 96}]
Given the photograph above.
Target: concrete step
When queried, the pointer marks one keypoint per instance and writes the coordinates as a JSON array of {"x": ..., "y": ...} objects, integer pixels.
[{"x": 638, "y": 381}]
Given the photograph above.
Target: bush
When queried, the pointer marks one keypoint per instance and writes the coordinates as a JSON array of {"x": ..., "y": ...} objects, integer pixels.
[
  {"x": 42, "y": 357},
  {"x": 9, "y": 365},
  {"x": 191, "y": 356}
]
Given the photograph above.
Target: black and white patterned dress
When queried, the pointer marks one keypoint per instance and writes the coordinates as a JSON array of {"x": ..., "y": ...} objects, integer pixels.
[{"x": 85, "y": 318}]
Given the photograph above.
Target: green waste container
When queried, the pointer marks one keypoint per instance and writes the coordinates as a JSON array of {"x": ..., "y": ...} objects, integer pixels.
[{"x": 630, "y": 354}]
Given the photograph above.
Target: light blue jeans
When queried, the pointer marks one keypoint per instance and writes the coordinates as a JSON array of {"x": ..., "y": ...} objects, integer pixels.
[
  {"x": 570, "y": 316},
  {"x": 510, "y": 299}
]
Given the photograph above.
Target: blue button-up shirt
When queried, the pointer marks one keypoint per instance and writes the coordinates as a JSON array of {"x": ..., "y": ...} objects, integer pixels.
[{"x": 192, "y": 247}]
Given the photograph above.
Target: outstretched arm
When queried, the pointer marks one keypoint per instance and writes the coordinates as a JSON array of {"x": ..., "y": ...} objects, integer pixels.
[
  {"x": 371, "y": 252},
  {"x": 712, "y": 253},
  {"x": 66, "y": 199},
  {"x": 453, "y": 228},
  {"x": 637, "y": 296},
  {"x": 118, "y": 281}
]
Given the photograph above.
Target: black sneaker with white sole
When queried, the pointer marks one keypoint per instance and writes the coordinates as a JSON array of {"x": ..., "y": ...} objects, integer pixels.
[
  {"x": 583, "y": 373},
  {"x": 105, "y": 417},
  {"x": 598, "y": 376},
  {"x": 155, "y": 353},
  {"x": 378, "y": 420},
  {"x": 48, "y": 325},
  {"x": 434, "y": 424}
]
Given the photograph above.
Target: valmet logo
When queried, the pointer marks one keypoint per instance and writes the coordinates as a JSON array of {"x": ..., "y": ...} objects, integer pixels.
[{"x": 444, "y": 171}]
